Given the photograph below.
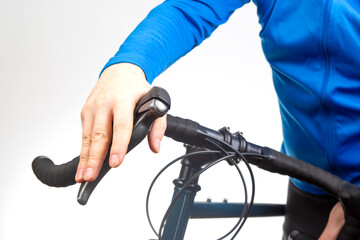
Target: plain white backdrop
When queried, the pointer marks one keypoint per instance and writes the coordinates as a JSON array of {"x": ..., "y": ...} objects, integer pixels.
[{"x": 51, "y": 55}]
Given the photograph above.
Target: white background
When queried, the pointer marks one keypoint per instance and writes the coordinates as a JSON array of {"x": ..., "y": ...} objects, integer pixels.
[{"x": 51, "y": 55}]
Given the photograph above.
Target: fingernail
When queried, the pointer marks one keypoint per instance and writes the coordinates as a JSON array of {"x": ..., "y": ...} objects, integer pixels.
[
  {"x": 79, "y": 174},
  {"x": 114, "y": 160},
  {"x": 88, "y": 173},
  {"x": 157, "y": 144}
]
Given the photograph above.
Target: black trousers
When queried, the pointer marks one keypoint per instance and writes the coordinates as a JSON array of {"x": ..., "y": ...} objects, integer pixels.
[{"x": 306, "y": 214}]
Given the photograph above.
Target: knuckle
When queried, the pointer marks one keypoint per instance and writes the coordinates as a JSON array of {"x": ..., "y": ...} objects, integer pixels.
[
  {"x": 85, "y": 109},
  {"x": 100, "y": 101},
  {"x": 83, "y": 158},
  {"x": 122, "y": 126},
  {"x": 86, "y": 140},
  {"x": 99, "y": 136},
  {"x": 93, "y": 160}
]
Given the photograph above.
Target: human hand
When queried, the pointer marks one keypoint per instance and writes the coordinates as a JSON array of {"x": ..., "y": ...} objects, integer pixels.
[
  {"x": 108, "y": 116},
  {"x": 335, "y": 223}
]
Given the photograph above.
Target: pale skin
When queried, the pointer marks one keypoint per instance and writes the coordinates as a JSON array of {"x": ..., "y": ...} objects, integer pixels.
[
  {"x": 107, "y": 116},
  {"x": 335, "y": 223}
]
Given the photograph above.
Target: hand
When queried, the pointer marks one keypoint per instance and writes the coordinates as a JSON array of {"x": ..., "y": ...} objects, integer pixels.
[
  {"x": 108, "y": 115},
  {"x": 335, "y": 223}
]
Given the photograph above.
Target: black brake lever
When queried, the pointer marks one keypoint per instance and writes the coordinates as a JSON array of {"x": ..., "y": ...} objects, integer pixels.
[{"x": 151, "y": 106}]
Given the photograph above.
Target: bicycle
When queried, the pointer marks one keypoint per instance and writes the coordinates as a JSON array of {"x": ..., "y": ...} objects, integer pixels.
[{"x": 205, "y": 148}]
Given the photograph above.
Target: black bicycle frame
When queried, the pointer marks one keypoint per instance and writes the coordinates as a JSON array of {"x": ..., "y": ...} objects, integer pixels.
[
  {"x": 185, "y": 208},
  {"x": 181, "y": 211}
]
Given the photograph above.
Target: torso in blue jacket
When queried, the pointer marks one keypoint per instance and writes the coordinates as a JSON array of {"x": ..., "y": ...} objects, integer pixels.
[{"x": 313, "y": 48}]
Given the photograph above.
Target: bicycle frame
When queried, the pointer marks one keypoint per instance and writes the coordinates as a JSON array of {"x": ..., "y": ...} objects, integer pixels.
[{"x": 185, "y": 207}]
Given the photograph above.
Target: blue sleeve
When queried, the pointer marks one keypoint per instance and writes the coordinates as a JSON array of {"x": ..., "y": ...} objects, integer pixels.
[{"x": 170, "y": 31}]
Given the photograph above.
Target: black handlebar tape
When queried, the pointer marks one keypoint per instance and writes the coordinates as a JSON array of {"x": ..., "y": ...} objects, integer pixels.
[
  {"x": 55, "y": 175},
  {"x": 182, "y": 130},
  {"x": 190, "y": 132},
  {"x": 348, "y": 193},
  {"x": 283, "y": 164}
]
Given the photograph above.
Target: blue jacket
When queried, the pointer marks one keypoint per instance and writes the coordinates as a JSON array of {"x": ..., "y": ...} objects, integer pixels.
[{"x": 313, "y": 48}]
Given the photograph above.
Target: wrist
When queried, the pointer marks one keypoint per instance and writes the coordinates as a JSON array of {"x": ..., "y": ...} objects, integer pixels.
[{"x": 131, "y": 71}]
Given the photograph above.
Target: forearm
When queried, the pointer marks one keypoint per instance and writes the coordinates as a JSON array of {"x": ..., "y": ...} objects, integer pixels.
[{"x": 170, "y": 31}]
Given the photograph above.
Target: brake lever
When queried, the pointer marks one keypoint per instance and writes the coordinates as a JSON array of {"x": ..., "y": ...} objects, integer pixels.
[{"x": 151, "y": 106}]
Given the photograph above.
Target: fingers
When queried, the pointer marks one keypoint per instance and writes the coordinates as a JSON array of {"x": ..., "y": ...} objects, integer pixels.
[
  {"x": 335, "y": 223},
  {"x": 122, "y": 128},
  {"x": 100, "y": 139},
  {"x": 95, "y": 141},
  {"x": 108, "y": 114},
  {"x": 156, "y": 134}
]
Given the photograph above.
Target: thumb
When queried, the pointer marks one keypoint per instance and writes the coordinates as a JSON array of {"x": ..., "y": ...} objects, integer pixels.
[{"x": 335, "y": 223}]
